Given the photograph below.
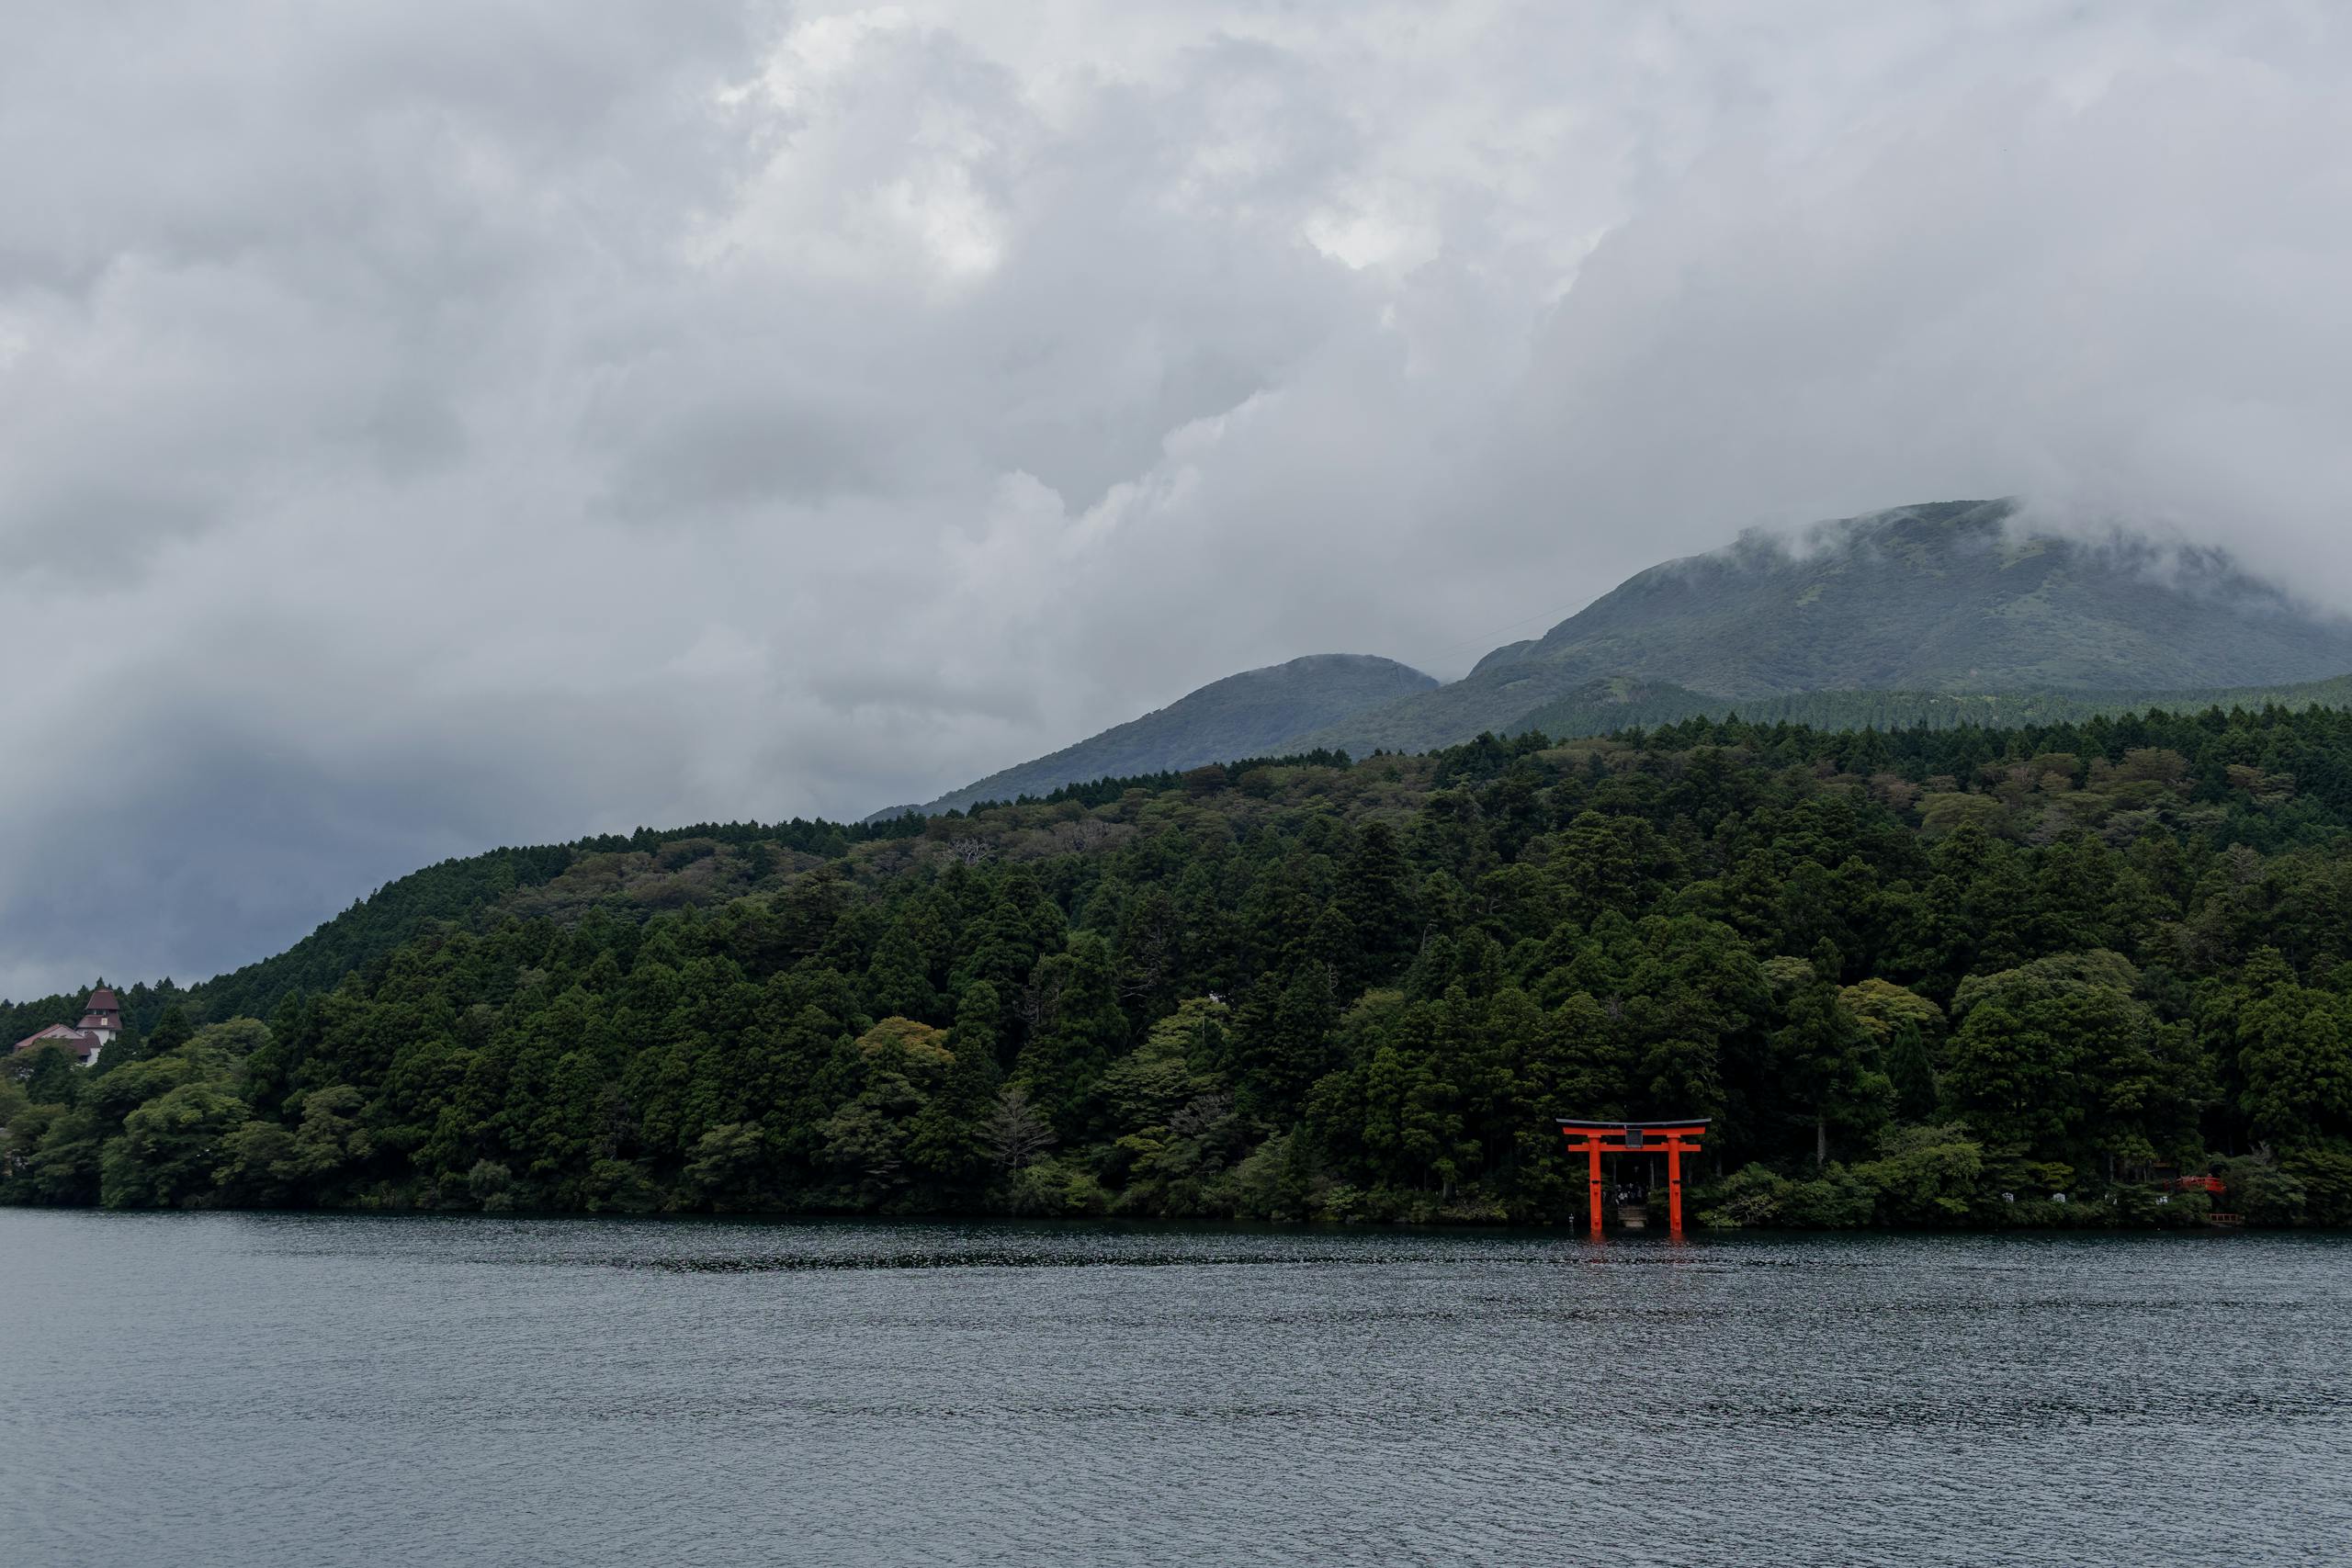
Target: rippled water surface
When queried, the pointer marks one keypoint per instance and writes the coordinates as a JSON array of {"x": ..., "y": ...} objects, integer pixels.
[{"x": 301, "y": 1389}]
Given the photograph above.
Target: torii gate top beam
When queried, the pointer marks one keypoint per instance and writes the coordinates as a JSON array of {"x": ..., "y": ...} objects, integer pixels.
[{"x": 1689, "y": 1127}]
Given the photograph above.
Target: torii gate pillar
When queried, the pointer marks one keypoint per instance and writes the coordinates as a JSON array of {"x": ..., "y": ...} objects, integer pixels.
[{"x": 1673, "y": 1138}]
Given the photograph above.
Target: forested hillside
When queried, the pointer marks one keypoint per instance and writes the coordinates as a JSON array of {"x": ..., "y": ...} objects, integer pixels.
[
  {"x": 1931, "y": 977},
  {"x": 628, "y": 873},
  {"x": 1606, "y": 706}
]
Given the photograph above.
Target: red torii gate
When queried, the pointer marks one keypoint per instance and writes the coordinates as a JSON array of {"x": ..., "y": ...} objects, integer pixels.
[{"x": 1676, "y": 1138}]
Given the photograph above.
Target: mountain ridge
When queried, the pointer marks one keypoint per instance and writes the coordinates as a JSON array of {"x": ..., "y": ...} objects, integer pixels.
[
  {"x": 634, "y": 873},
  {"x": 1245, "y": 715},
  {"x": 1944, "y": 597}
]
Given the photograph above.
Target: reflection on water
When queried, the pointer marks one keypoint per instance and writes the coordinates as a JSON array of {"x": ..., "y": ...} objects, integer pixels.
[{"x": 300, "y": 1389}]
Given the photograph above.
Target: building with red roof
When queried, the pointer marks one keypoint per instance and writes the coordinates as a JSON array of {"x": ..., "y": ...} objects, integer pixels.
[{"x": 100, "y": 1027}]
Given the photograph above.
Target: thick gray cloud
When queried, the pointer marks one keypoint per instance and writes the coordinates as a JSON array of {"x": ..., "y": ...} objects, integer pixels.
[{"x": 435, "y": 426}]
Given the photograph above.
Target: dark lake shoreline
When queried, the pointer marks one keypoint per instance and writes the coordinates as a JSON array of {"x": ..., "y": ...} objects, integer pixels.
[{"x": 1147, "y": 1224}]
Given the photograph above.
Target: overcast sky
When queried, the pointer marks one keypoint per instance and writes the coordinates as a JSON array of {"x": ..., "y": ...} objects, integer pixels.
[{"x": 426, "y": 426}]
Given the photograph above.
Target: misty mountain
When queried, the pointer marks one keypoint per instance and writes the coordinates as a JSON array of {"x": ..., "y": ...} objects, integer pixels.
[
  {"x": 1250, "y": 715},
  {"x": 1938, "y": 598}
]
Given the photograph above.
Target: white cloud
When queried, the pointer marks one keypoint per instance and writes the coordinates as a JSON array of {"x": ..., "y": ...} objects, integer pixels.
[{"x": 433, "y": 426}]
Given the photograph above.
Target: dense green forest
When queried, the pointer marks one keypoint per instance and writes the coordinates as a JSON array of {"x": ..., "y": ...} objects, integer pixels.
[
  {"x": 1926, "y": 978},
  {"x": 1606, "y": 706},
  {"x": 639, "y": 872}
]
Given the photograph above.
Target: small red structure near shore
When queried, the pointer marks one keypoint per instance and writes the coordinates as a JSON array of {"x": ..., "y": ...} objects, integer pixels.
[{"x": 1673, "y": 1139}]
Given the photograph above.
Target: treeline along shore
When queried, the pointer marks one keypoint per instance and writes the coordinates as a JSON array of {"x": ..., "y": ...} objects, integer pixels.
[{"x": 1960, "y": 977}]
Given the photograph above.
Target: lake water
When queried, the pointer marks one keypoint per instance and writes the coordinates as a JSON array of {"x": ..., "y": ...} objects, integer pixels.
[{"x": 256, "y": 1390}]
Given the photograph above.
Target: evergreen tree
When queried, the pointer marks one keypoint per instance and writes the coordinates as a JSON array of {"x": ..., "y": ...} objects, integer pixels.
[
  {"x": 172, "y": 1031},
  {"x": 1829, "y": 1058},
  {"x": 950, "y": 1139}
]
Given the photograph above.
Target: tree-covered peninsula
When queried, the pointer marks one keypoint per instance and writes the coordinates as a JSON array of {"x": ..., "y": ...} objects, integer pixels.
[{"x": 1926, "y": 977}]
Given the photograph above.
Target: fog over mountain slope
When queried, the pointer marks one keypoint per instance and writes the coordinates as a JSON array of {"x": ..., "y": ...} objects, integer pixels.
[
  {"x": 1252, "y": 714},
  {"x": 1946, "y": 596}
]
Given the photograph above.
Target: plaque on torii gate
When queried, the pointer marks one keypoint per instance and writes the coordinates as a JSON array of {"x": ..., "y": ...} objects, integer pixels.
[{"x": 1673, "y": 1139}]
